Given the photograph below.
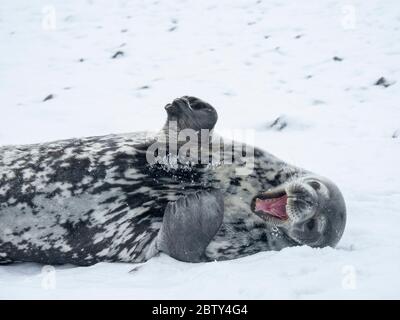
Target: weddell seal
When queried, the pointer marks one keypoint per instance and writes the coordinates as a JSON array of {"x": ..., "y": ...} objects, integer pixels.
[{"x": 83, "y": 201}]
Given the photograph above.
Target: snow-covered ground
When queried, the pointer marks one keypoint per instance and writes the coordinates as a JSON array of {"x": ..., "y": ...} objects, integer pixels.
[{"x": 255, "y": 61}]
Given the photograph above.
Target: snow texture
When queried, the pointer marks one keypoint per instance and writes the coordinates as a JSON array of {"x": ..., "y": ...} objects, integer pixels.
[{"x": 318, "y": 80}]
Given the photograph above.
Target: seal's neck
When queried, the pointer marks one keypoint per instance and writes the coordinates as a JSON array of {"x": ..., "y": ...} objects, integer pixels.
[{"x": 244, "y": 236}]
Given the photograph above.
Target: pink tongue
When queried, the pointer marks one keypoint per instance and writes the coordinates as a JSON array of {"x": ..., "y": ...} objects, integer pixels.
[{"x": 274, "y": 207}]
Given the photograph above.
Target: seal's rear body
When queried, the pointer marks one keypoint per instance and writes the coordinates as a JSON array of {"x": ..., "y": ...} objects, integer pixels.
[{"x": 82, "y": 200}]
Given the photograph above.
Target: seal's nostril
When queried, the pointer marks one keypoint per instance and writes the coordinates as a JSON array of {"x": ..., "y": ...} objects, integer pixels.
[{"x": 172, "y": 108}]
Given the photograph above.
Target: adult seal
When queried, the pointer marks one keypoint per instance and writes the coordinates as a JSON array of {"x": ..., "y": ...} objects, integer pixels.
[{"x": 83, "y": 201}]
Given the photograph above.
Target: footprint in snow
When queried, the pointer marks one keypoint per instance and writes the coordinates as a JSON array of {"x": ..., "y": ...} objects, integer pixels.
[
  {"x": 118, "y": 54},
  {"x": 278, "y": 124},
  {"x": 382, "y": 81},
  {"x": 49, "y": 97}
]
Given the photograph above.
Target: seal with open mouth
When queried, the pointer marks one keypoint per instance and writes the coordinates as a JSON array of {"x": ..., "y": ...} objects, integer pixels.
[
  {"x": 309, "y": 209},
  {"x": 83, "y": 201}
]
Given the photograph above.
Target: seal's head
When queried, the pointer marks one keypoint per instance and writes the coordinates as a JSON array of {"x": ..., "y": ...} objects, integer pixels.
[
  {"x": 310, "y": 210},
  {"x": 191, "y": 113}
]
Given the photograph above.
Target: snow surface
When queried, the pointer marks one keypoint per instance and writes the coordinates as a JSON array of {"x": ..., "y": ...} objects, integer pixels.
[{"x": 255, "y": 61}]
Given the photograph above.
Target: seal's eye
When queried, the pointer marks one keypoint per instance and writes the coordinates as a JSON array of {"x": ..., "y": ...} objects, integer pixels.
[
  {"x": 198, "y": 105},
  {"x": 315, "y": 185},
  {"x": 310, "y": 225},
  {"x": 195, "y": 103}
]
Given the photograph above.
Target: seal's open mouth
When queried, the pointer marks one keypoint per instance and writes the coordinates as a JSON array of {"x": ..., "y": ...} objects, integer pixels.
[
  {"x": 272, "y": 206},
  {"x": 289, "y": 202}
]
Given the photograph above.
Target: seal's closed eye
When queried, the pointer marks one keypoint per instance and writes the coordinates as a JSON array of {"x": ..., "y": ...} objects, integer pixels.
[
  {"x": 197, "y": 104},
  {"x": 310, "y": 224}
]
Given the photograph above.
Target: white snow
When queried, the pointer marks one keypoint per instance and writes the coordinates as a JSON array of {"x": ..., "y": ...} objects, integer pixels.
[{"x": 255, "y": 61}]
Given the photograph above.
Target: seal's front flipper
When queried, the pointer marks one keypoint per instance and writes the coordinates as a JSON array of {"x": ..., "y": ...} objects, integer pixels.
[
  {"x": 189, "y": 224},
  {"x": 191, "y": 113}
]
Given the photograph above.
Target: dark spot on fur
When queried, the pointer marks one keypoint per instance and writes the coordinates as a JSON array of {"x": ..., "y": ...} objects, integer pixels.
[
  {"x": 235, "y": 181},
  {"x": 73, "y": 174}
]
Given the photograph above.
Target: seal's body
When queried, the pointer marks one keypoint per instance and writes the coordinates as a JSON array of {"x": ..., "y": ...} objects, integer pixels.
[{"x": 82, "y": 201}]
